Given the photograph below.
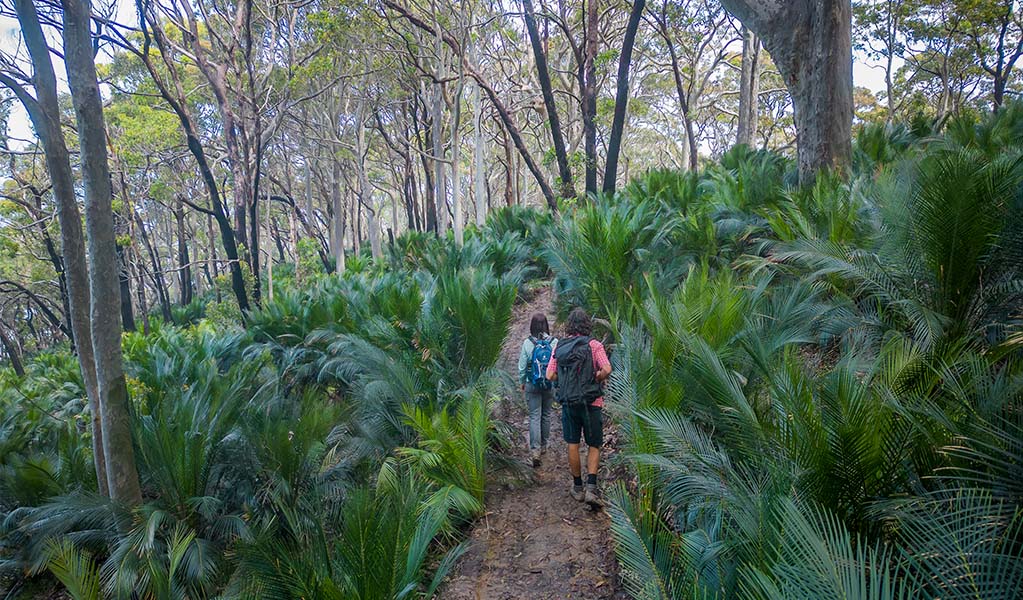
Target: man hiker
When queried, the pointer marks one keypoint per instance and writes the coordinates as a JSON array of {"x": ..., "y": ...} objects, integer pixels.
[
  {"x": 539, "y": 391},
  {"x": 580, "y": 366}
]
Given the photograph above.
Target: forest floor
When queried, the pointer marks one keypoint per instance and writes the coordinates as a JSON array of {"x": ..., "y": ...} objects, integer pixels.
[{"x": 535, "y": 541}]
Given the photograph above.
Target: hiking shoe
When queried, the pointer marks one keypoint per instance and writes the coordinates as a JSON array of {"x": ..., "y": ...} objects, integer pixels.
[
  {"x": 592, "y": 496},
  {"x": 577, "y": 493},
  {"x": 535, "y": 456}
]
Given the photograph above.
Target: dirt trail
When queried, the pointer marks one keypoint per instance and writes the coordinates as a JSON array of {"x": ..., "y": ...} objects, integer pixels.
[{"x": 535, "y": 541}]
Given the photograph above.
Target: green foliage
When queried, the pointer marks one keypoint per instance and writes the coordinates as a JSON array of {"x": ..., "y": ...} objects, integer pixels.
[
  {"x": 820, "y": 399},
  {"x": 819, "y": 390},
  {"x": 269, "y": 457},
  {"x": 75, "y": 570},
  {"x": 453, "y": 450},
  {"x": 880, "y": 144}
]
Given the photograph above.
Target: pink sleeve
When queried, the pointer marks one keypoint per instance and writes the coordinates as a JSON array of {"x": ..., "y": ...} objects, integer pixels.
[{"x": 599, "y": 355}]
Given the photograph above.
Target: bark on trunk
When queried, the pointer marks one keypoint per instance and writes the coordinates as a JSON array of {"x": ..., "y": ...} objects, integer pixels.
[
  {"x": 614, "y": 144},
  {"x": 440, "y": 193},
  {"x": 456, "y": 155},
  {"x": 338, "y": 222},
  {"x": 544, "y": 76},
  {"x": 479, "y": 160},
  {"x": 12, "y": 352},
  {"x": 589, "y": 93},
  {"x": 122, "y": 476},
  {"x": 150, "y": 23},
  {"x": 140, "y": 290},
  {"x": 437, "y": 116},
  {"x": 124, "y": 284},
  {"x": 425, "y": 140},
  {"x": 749, "y": 78},
  {"x": 495, "y": 99},
  {"x": 509, "y": 171},
  {"x": 811, "y": 44},
  {"x": 692, "y": 153},
  {"x": 159, "y": 282},
  {"x": 184, "y": 263},
  {"x": 365, "y": 189},
  {"x": 44, "y": 112}
]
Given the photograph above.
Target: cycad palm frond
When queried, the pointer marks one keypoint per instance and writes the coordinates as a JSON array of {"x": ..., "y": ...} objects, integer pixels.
[
  {"x": 75, "y": 570},
  {"x": 816, "y": 557},
  {"x": 961, "y": 544},
  {"x": 652, "y": 557}
]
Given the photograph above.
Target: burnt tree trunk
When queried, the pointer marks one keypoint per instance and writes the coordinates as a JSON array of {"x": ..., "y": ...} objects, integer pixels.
[
  {"x": 150, "y": 23},
  {"x": 184, "y": 263},
  {"x": 159, "y": 283},
  {"x": 553, "y": 121},
  {"x": 12, "y": 351},
  {"x": 124, "y": 283},
  {"x": 614, "y": 144}
]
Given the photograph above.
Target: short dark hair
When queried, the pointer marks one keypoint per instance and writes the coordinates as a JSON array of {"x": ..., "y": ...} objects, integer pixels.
[
  {"x": 578, "y": 322},
  {"x": 538, "y": 325}
]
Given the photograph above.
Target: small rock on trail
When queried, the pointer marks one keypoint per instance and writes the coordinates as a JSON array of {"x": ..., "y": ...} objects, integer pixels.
[{"x": 535, "y": 541}]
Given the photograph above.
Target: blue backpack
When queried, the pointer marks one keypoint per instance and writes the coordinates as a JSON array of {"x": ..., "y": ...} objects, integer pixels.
[{"x": 541, "y": 356}]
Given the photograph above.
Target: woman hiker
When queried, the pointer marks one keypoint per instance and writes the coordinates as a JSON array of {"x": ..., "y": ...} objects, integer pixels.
[{"x": 533, "y": 358}]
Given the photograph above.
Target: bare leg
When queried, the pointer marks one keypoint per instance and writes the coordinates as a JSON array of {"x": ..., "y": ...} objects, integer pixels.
[
  {"x": 592, "y": 460},
  {"x": 574, "y": 464}
]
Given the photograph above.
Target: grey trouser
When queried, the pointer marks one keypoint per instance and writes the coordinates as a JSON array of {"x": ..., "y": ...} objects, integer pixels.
[{"x": 539, "y": 402}]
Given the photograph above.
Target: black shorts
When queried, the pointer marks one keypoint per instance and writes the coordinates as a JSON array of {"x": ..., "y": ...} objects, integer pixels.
[{"x": 579, "y": 421}]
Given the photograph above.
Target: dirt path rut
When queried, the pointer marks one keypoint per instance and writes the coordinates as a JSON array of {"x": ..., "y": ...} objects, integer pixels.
[{"x": 535, "y": 542}]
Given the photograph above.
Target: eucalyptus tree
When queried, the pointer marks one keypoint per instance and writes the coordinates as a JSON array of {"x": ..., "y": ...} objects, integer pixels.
[
  {"x": 167, "y": 72},
  {"x": 507, "y": 118},
  {"x": 550, "y": 105},
  {"x": 105, "y": 289},
  {"x": 44, "y": 111},
  {"x": 995, "y": 30},
  {"x": 91, "y": 264},
  {"x": 27, "y": 223},
  {"x": 614, "y": 144},
  {"x": 698, "y": 39},
  {"x": 811, "y": 44},
  {"x": 245, "y": 54},
  {"x": 880, "y": 32},
  {"x": 749, "y": 89}
]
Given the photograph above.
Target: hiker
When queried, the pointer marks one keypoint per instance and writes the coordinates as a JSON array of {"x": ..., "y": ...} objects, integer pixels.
[
  {"x": 580, "y": 366},
  {"x": 536, "y": 352}
]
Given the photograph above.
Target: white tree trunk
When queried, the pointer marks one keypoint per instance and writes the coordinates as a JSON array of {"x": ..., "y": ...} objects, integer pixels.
[
  {"x": 440, "y": 187},
  {"x": 480, "y": 159},
  {"x": 456, "y": 161},
  {"x": 748, "y": 88},
  {"x": 44, "y": 112},
  {"x": 338, "y": 224},
  {"x": 365, "y": 190}
]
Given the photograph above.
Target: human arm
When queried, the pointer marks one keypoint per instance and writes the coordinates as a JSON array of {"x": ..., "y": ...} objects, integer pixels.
[
  {"x": 600, "y": 361},
  {"x": 552, "y": 365},
  {"x": 525, "y": 354}
]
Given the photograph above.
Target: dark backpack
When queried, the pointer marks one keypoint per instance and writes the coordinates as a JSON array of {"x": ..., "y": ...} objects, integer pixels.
[
  {"x": 541, "y": 357},
  {"x": 577, "y": 379}
]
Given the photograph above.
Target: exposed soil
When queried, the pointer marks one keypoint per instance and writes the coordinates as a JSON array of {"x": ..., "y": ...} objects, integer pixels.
[{"x": 535, "y": 541}]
